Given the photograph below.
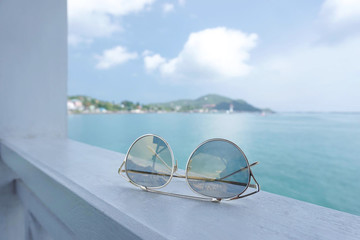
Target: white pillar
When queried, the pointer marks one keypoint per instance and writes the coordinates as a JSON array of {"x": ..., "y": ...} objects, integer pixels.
[
  {"x": 33, "y": 68},
  {"x": 33, "y": 80}
]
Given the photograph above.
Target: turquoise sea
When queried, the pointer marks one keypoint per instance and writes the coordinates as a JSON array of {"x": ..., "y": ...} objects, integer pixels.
[{"x": 311, "y": 157}]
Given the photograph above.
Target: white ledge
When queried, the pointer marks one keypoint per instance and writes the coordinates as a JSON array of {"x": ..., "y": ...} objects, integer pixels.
[{"x": 73, "y": 190}]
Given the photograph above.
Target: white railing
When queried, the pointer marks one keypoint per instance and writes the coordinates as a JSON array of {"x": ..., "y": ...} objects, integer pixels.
[{"x": 70, "y": 190}]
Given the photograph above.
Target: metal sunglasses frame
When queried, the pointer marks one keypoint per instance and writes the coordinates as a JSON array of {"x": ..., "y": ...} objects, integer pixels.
[{"x": 175, "y": 168}]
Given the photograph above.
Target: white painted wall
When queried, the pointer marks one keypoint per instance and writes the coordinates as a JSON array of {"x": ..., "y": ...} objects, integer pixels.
[
  {"x": 33, "y": 68},
  {"x": 33, "y": 79}
]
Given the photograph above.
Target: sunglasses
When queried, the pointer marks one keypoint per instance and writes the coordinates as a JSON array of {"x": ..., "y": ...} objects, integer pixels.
[{"x": 217, "y": 169}]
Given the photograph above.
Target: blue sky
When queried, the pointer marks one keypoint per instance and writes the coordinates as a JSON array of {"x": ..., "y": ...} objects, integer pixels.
[{"x": 285, "y": 55}]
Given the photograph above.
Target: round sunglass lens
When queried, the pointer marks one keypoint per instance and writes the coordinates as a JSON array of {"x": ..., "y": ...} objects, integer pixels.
[
  {"x": 218, "y": 169},
  {"x": 149, "y": 162}
]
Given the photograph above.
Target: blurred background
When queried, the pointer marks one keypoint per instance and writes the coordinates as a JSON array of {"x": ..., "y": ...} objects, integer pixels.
[{"x": 279, "y": 78}]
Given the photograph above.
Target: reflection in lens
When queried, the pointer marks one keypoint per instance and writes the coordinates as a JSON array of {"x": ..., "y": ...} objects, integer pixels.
[
  {"x": 218, "y": 169},
  {"x": 149, "y": 162}
]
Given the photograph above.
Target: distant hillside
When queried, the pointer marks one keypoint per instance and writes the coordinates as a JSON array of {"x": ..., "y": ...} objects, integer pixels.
[
  {"x": 207, "y": 103},
  {"x": 210, "y": 102}
]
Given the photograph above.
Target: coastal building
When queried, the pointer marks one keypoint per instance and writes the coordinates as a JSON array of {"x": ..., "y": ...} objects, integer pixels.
[
  {"x": 70, "y": 105},
  {"x": 231, "y": 108},
  {"x": 75, "y": 105}
]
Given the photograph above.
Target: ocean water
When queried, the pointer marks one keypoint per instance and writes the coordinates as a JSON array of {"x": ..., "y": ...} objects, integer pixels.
[{"x": 310, "y": 157}]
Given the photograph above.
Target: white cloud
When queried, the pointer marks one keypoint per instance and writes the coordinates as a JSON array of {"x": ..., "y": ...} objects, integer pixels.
[
  {"x": 181, "y": 2},
  {"x": 113, "y": 57},
  {"x": 146, "y": 53},
  {"x": 320, "y": 73},
  {"x": 309, "y": 77},
  {"x": 89, "y": 19},
  {"x": 168, "y": 7},
  {"x": 153, "y": 62},
  {"x": 213, "y": 54},
  {"x": 341, "y": 11}
]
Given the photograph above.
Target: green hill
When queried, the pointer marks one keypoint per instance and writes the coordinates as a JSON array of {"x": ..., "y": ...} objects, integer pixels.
[
  {"x": 207, "y": 103},
  {"x": 210, "y": 102}
]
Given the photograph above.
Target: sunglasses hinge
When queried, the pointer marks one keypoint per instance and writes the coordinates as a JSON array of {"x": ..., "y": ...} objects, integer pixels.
[{"x": 143, "y": 188}]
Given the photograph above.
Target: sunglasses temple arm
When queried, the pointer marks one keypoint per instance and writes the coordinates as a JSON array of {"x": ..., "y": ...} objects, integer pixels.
[
  {"x": 256, "y": 191},
  {"x": 166, "y": 193},
  {"x": 158, "y": 156},
  {"x": 181, "y": 195},
  {"x": 253, "y": 164},
  {"x": 257, "y": 186},
  {"x": 179, "y": 176},
  {"x": 121, "y": 171},
  {"x": 242, "y": 169}
]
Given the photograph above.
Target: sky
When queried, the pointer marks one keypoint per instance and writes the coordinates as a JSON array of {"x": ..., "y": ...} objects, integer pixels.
[{"x": 284, "y": 55}]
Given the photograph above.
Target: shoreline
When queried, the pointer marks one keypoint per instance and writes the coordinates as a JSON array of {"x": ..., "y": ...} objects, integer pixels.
[
  {"x": 254, "y": 113},
  {"x": 174, "y": 112}
]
